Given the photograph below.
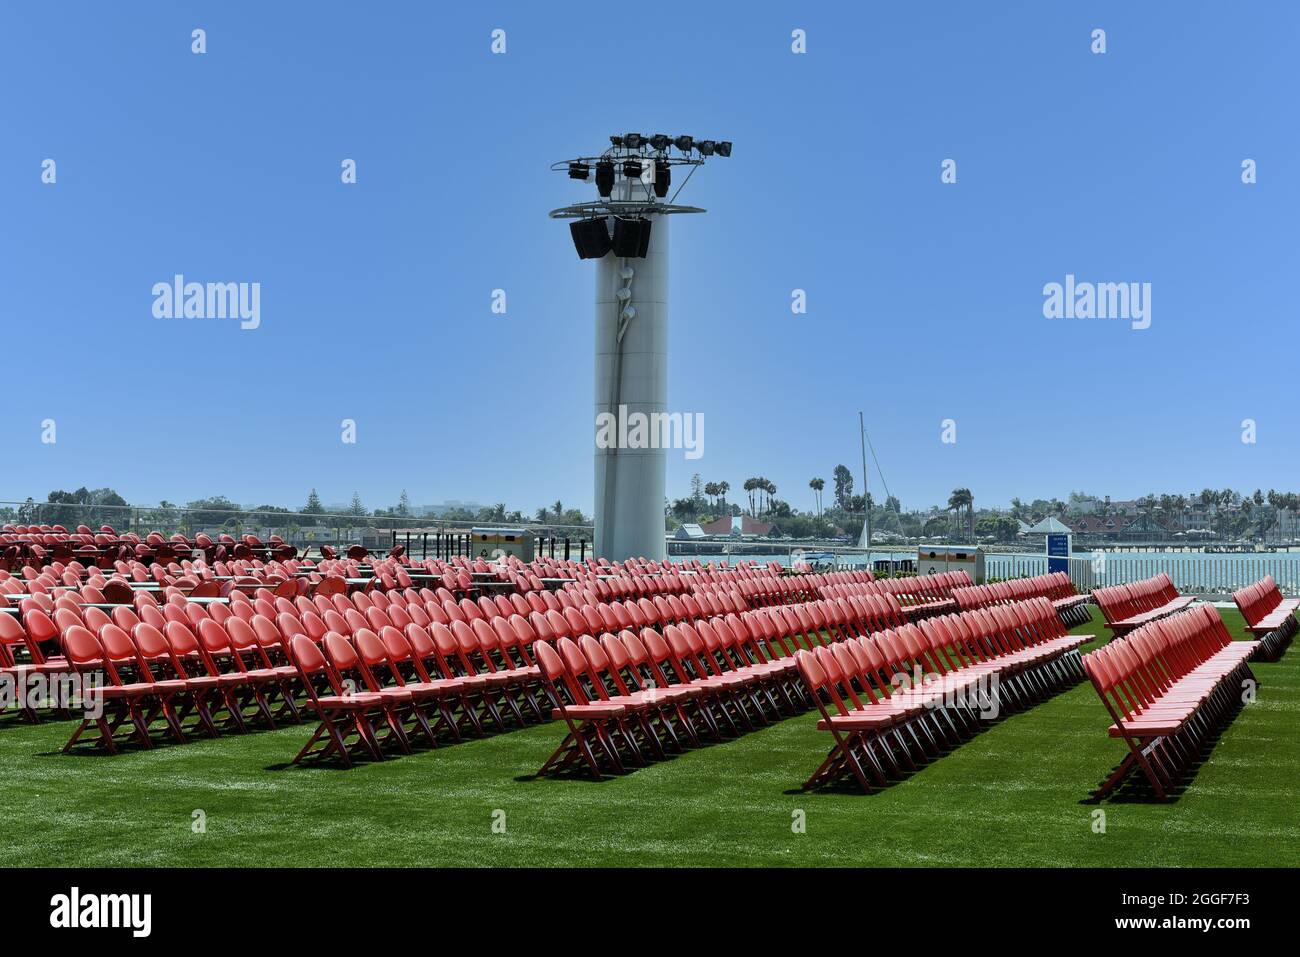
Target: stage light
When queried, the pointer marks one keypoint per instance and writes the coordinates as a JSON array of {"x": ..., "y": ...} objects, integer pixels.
[
  {"x": 663, "y": 176},
  {"x": 705, "y": 147},
  {"x": 616, "y": 141},
  {"x": 579, "y": 171},
  {"x": 590, "y": 238},
  {"x": 661, "y": 141},
  {"x": 632, "y": 169},
  {"x": 632, "y": 140},
  {"x": 605, "y": 178},
  {"x": 723, "y": 147},
  {"x": 684, "y": 143},
  {"x": 631, "y": 238}
]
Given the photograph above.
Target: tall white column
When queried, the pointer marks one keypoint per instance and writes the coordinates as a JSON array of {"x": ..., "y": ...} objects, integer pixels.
[{"x": 632, "y": 374}]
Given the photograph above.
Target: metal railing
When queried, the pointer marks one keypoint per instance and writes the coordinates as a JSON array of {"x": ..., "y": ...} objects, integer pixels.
[
  {"x": 440, "y": 544},
  {"x": 1200, "y": 574},
  {"x": 431, "y": 537},
  {"x": 1209, "y": 575}
]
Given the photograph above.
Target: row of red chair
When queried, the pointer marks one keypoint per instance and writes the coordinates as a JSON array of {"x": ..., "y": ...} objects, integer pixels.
[
  {"x": 413, "y": 683},
  {"x": 172, "y": 677},
  {"x": 490, "y": 623},
  {"x": 463, "y": 628},
  {"x": 1168, "y": 686},
  {"x": 463, "y": 647},
  {"x": 24, "y": 546},
  {"x": 1054, "y": 586},
  {"x": 920, "y": 595},
  {"x": 1130, "y": 606},
  {"x": 1269, "y": 616},
  {"x": 971, "y": 665},
  {"x": 627, "y": 696},
  {"x": 731, "y": 673},
  {"x": 728, "y": 672}
]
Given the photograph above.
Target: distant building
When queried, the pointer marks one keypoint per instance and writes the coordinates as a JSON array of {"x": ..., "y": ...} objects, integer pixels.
[
  {"x": 370, "y": 537},
  {"x": 740, "y": 526},
  {"x": 689, "y": 532},
  {"x": 451, "y": 505}
]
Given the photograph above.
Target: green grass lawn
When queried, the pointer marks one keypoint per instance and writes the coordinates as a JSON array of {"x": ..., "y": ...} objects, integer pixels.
[{"x": 1016, "y": 794}]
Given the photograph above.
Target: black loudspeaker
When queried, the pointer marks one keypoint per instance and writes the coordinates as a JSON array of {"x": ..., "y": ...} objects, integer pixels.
[
  {"x": 631, "y": 237},
  {"x": 590, "y": 238}
]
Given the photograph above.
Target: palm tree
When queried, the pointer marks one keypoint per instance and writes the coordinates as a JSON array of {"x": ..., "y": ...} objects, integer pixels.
[
  {"x": 723, "y": 489},
  {"x": 711, "y": 490},
  {"x": 962, "y": 498},
  {"x": 751, "y": 484},
  {"x": 817, "y": 485},
  {"x": 770, "y": 488}
]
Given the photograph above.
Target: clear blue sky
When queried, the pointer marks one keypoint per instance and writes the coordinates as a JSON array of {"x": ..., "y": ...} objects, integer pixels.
[{"x": 924, "y": 299}]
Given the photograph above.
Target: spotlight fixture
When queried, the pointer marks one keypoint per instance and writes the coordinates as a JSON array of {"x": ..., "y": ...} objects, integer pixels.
[
  {"x": 590, "y": 237},
  {"x": 705, "y": 147},
  {"x": 605, "y": 178},
  {"x": 684, "y": 143},
  {"x": 579, "y": 171},
  {"x": 632, "y": 140},
  {"x": 616, "y": 141},
  {"x": 723, "y": 147},
  {"x": 661, "y": 141},
  {"x": 632, "y": 169},
  {"x": 631, "y": 238},
  {"x": 663, "y": 175}
]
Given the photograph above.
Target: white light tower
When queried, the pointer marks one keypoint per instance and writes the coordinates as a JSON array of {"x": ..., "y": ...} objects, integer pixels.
[{"x": 626, "y": 229}]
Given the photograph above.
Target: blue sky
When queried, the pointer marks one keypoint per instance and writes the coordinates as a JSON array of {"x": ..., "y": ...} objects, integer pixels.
[{"x": 924, "y": 299}]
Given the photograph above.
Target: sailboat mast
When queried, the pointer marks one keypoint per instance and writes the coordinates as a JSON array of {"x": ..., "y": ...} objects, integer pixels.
[{"x": 866, "y": 503}]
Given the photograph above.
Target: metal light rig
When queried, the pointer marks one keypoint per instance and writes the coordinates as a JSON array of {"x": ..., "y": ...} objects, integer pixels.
[{"x": 624, "y": 229}]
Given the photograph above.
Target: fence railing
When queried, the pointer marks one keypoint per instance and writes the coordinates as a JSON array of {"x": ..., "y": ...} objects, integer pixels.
[
  {"x": 425, "y": 537},
  {"x": 1210, "y": 575}
]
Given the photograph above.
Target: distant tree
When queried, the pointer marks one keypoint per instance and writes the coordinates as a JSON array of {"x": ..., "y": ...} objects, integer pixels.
[
  {"x": 271, "y": 515},
  {"x": 90, "y": 507},
  {"x": 697, "y": 490},
  {"x": 843, "y": 479},
  {"x": 313, "y": 506},
  {"x": 212, "y": 512},
  {"x": 817, "y": 485},
  {"x": 961, "y": 498},
  {"x": 356, "y": 509},
  {"x": 404, "y": 504},
  {"x": 778, "y": 509},
  {"x": 1002, "y": 528}
]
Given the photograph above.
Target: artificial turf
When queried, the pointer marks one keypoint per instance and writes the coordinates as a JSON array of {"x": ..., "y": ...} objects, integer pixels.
[{"x": 1015, "y": 794}]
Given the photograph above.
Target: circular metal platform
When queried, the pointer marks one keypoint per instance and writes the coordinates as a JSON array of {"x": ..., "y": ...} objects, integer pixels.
[{"x": 620, "y": 207}]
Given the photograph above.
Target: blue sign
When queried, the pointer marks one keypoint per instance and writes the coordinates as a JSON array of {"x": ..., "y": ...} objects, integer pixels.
[{"x": 1058, "y": 552}]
